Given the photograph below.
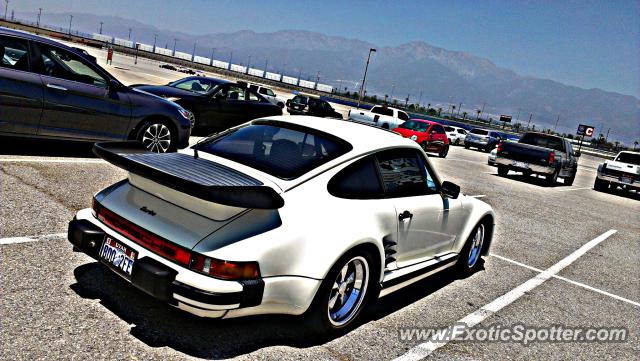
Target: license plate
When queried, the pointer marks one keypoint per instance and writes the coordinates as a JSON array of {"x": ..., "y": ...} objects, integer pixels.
[
  {"x": 520, "y": 164},
  {"x": 118, "y": 256},
  {"x": 626, "y": 180}
]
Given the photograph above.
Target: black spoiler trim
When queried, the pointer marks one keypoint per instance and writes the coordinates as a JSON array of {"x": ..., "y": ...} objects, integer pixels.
[{"x": 235, "y": 195}]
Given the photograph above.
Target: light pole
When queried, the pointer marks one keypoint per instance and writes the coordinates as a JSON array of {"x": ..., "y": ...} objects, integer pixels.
[
  {"x": 193, "y": 55},
  {"x": 420, "y": 98},
  {"x": 175, "y": 41},
  {"x": 230, "y": 59},
  {"x": 155, "y": 38},
  {"x": 556, "y": 126},
  {"x": 100, "y": 31},
  {"x": 266, "y": 63},
  {"x": 70, "y": 20},
  {"x": 393, "y": 87},
  {"x": 248, "y": 64},
  {"x": 213, "y": 50},
  {"x": 129, "y": 37},
  {"x": 6, "y": 8},
  {"x": 459, "y": 107},
  {"x": 39, "y": 15},
  {"x": 529, "y": 122},
  {"x": 364, "y": 78}
]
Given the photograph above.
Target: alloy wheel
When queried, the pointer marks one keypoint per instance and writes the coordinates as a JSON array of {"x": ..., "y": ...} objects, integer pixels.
[
  {"x": 348, "y": 291},
  {"x": 157, "y": 138},
  {"x": 476, "y": 246}
]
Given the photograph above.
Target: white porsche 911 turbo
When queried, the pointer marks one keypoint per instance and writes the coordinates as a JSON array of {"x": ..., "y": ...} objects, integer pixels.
[{"x": 284, "y": 215}]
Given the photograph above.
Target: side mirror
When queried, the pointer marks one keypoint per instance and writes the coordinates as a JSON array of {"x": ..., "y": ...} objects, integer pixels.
[
  {"x": 288, "y": 103},
  {"x": 577, "y": 154},
  {"x": 114, "y": 85},
  {"x": 450, "y": 190}
]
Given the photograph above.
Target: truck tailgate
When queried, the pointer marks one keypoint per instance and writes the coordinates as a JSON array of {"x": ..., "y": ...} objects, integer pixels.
[{"x": 525, "y": 153}]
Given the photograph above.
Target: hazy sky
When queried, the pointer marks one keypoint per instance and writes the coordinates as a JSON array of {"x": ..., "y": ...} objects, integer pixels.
[{"x": 590, "y": 44}]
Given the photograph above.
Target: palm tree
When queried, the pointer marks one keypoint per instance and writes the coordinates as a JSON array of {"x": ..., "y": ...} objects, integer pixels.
[
  {"x": 439, "y": 111},
  {"x": 635, "y": 144},
  {"x": 464, "y": 115},
  {"x": 478, "y": 111}
]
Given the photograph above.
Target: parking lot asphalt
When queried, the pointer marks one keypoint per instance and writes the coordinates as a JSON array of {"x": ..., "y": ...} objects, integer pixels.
[{"x": 57, "y": 304}]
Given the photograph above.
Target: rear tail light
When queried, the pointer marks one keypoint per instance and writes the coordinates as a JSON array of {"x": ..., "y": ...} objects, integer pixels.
[
  {"x": 552, "y": 157},
  {"x": 499, "y": 148},
  {"x": 225, "y": 270}
]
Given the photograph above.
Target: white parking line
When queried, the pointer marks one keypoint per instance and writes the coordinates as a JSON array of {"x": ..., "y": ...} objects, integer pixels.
[
  {"x": 637, "y": 304},
  {"x": 425, "y": 349},
  {"x": 479, "y": 196},
  {"x": 13, "y": 240},
  {"x": 36, "y": 160},
  {"x": 573, "y": 189}
]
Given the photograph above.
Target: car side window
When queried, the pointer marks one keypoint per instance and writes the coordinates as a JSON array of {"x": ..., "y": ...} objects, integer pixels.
[
  {"x": 14, "y": 53},
  {"x": 359, "y": 180},
  {"x": 252, "y": 96},
  {"x": 403, "y": 116},
  {"x": 439, "y": 129},
  {"x": 404, "y": 174},
  {"x": 270, "y": 93},
  {"x": 231, "y": 92},
  {"x": 63, "y": 64}
]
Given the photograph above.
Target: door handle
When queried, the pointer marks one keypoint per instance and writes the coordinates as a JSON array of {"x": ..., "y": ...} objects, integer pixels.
[
  {"x": 405, "y": 215},
  {"x": 56, "y": 87}
]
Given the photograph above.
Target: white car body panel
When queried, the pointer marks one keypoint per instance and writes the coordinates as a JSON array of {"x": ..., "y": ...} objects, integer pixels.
[
  {"x": 457, "y": 136},
  {"x": 630, "y": 171},
  {"x": 383, "y": 121},
  {"x": 316, "y": 227}
]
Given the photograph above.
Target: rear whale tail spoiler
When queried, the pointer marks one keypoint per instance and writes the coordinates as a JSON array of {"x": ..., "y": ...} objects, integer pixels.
[{"x": 200, "y": 178}]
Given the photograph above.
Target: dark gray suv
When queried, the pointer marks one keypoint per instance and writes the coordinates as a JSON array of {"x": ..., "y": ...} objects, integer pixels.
[{"x": 50, "y": 90}]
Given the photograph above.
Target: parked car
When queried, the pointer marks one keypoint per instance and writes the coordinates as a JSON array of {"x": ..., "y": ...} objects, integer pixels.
[
  {"x": 456, "y": 135},
  {"x": 623, "y": 171},
  {"x": 187, "y": 70},
  {"x": 307, "y": 104},
  {"x": 216, "y": 104},
  {"x": 233, "y": 231},
  {"x": 168, "y": 67},
  {"x": 491, "y": 160},
  {"x": 482, "y": 139},
  {"x": 380, "y": 115},
  {"x": 539, "y": 153},
  {"x": 268, "y": 94},
  {"x": 430, "y": 135},
  {"x": 50, "y": 90}
]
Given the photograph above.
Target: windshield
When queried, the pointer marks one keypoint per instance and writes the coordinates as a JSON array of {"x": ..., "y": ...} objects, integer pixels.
[
  {"x": 198, "y": 85},
  {"x": 278, "y": 149},
  {"x": 415, "y": 125},
  {"x": 631, "y": 158},
  {"x": 479, "y": 131}
]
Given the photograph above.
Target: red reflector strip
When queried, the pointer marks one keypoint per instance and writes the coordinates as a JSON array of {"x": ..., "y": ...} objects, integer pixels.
[{"x": 144, "y": 238}]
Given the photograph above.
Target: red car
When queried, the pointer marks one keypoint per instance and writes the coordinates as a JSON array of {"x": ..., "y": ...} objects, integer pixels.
[{"x": 430, "y": 135}]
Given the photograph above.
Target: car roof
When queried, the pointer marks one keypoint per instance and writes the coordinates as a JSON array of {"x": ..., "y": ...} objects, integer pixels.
[
  {"x": 363, "y": 137},
  {"x": 212, "y": 79},
  {"x": 40, "y": 39}
]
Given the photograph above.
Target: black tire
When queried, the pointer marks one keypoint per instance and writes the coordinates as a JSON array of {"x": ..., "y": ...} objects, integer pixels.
[
  {"x": 464, "y": 265},
  {"x": 154, "y": 134},
  {"x": 600, "y": 185},
  {"x": 423, "y": 145},
  {"x": 318, "y": 318},
  {"x": 503, "y": 170},
  {"x": 569, "y": 180},
  {"x": 457, "y": 142},
  {"x": 385, "y": 126},
  {"x": 444, "y": 152},
  {"x": 466, "y": 146},
  {"x": 552, "y": 179}
]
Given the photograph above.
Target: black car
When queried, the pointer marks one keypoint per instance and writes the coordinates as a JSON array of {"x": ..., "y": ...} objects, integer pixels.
[
  {"x": 50, "y": 90},
  {"x": 168, "y": 67},
  {"x": 482, "y": 139},
  {"x": 216, "y": 104},
  {"x": 302, "y": 104}
]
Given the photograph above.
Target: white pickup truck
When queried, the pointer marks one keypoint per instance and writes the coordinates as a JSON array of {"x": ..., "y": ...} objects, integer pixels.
[
  {"x": 381, "y": 116},
  {"x": 623, "y": 171}
]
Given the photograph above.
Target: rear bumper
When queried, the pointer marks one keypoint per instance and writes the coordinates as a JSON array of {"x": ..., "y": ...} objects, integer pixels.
[
  {"x": 635, "y": 184},
  {"x": 159, "y": 280},
  {"x": 476, "y": 144},
  {"x": 534, "y": 168},
  {"x": 193, "y": 292}
]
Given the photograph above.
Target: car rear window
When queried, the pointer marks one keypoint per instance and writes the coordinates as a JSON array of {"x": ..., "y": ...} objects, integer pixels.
[
  {"x": 479, "y": 131},
  {"x": 280, "y": 149},
  {"x": 631, "y": 158},
  {"x": 382, "y": 111},
  {"x": 414, "y": 125},
  {"x": 544, "y": 141},
  {"x": 449, "y": 129}
]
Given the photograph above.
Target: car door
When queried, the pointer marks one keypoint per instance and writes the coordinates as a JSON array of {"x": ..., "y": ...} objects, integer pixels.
[
  {"x": 227, "y": 108},
  {"x": 427, "y": 222},
  {"x": 20, "y": 88},
  {"x": 77, "y": 101}
]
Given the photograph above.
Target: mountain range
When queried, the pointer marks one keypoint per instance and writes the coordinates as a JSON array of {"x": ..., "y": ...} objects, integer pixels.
[{"x": 441, "y": 76}]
